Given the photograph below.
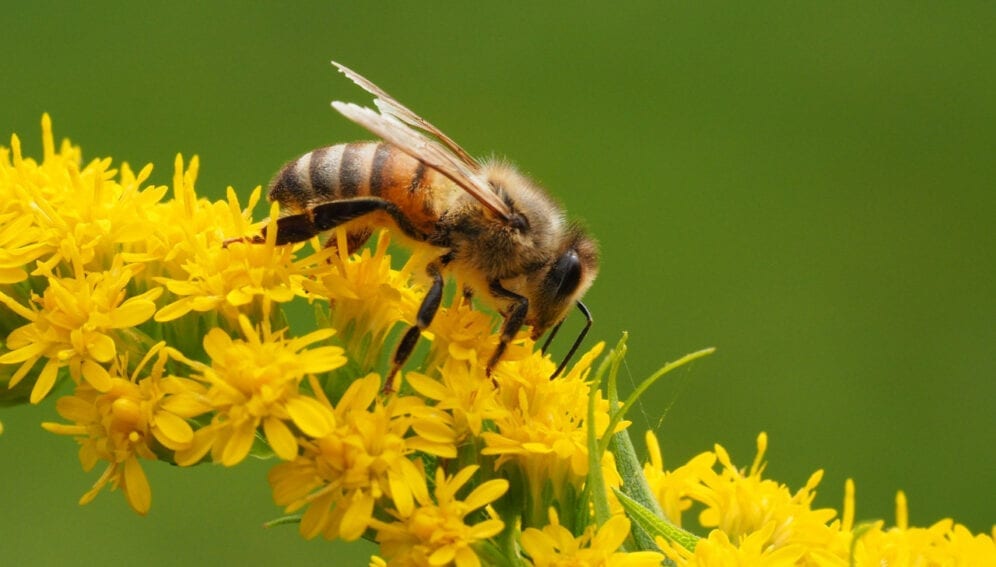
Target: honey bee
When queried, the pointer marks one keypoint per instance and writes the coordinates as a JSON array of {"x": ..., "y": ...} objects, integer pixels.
[{"x": 493, "y": 228}]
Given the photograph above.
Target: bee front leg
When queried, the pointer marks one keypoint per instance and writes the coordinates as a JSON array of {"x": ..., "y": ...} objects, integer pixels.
[
  {"x": 514, "y": 319},
  {"x": 426, "y": 313}
]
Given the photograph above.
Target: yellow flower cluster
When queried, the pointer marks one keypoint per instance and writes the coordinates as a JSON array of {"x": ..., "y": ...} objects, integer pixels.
[
  {"x": 168, "y": 325},
  {"x": 757, "y": 521}
]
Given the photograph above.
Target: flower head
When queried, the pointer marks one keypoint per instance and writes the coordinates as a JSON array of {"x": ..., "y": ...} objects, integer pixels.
[
  {"x": 368, "y": 297},
  {"x": 945, "y": 542},
  {"x": 73, "y": 324},
  {"x": 75, "y": 218},
  {"x": 542, "y": 427},
  {"x": 435, "y": 531},
  {"x": 256, "y": 382},
  {"x": 136, "y": 418},
  {"x": 366, "y": 458},
  {"x": 742, "y": 505},
  {"x": 751, "y": 549},
  {"x": 211, "y": 275},
  {"x": 599, "y": 546}
]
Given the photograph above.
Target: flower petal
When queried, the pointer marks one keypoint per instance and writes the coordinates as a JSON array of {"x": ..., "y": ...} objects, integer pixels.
[
  {"x": 96, "y": 375},
  {"x": 310, "y": 416},
  {"x": 136, "y": 486},
  {"x": 239, "y": 443},
  {"x": 46, "y": 379},
  {"x": 132, "y": 313},
  {"x": 172, "y": 430},
  {"x": 100, "y": 347},
  {"x": 280, "y": 438}
]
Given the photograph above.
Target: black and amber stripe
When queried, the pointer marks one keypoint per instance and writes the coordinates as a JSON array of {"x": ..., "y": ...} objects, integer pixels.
[{"x": 358, "y": 171}]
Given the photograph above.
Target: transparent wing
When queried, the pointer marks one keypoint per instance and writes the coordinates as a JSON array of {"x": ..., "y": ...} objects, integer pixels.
[
  {"x": 401, "y": 127},
  {"x": 389, "y": 106}
]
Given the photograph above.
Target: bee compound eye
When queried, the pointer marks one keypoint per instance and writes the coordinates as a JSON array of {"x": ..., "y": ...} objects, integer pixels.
[{"x": 564, "y": 276}]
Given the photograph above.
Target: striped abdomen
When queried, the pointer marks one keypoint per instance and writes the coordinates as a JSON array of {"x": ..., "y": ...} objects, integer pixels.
[{"x": 360, "y": 169}]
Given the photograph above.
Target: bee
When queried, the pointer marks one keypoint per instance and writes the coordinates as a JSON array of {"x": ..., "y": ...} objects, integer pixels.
[{"x": 489, "y": 225}]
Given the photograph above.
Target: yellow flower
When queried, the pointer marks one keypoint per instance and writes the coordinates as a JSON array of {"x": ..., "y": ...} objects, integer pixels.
[
  {"x": 464, "y": 392},
  {"x": 367, "y": 457},
  {"x": 256, "y": 382},
  {"x": 943, "y": 543},
  {"x": 672, "y": 488},
  {"x": 740, "y": 504},
  {"x": 743, "y": 505},
  {"x": 367, "y": 295},
  {"x": 462, "y": 333},
  {"x": 187, "y": 223},
  {"x": 76, "y": 218},
  {"x": 227, "y": 279},
  {"x": 135, "y": 418},
  {"x": 19, "y": 245},
  {"x": 542, "y": 427},
  {"x": 435, "y": 531},
  {"x": 73, "y": 324},
  {"x": 598, "y": 546},
  {"x": 718, "y": 551}
]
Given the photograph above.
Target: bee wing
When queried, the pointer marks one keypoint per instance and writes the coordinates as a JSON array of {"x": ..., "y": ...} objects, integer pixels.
[
  {"x": 426, "y": 150},
  {"x": 391, "y": 107}
]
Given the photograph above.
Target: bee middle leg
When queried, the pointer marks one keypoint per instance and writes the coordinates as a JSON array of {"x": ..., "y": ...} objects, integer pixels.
[
  {"x": 514, "y": 319},
  {"x": 426, "y": 313}
]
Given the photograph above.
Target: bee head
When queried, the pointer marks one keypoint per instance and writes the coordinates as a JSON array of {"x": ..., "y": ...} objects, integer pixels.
[{"x": 562, "y": 282}]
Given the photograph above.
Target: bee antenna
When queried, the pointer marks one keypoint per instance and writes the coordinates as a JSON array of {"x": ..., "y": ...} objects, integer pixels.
[
  {"x": 549, "y": 338},
  {"x": 577, "y": 341}
]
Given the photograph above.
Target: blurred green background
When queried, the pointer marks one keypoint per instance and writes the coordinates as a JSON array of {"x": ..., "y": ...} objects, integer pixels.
[{"x": 807, "y": 187}]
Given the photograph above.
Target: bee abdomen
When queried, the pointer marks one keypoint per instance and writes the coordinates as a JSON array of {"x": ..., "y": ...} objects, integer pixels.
[{"x": 345, "y": 171}]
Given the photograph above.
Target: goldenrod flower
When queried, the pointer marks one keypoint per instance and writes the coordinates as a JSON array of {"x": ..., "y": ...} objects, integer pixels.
[
  {"x": 673, "y": 487},
  {"x": 73, "y": 324},
  {"x": 742, "y": 505},
  {"x": 544, "y": 417},
  {"x": 555, "y": 546},
  {"x": 19, "y": 246},
  {"x": 366, "y": 458},
  {"x": 943, "y": 543},
  {"x": 435, "y": 531},
  {"x": 76, "y": 217},
  {"x": 463, "y": 391},
  {"x": 227, "y": 279},
  {"x": 543, "y": 425},
  {"x": 367, "y": 295},
  {"x": 462, "y": 333},
  {"x": 136, "y": 417},
  {"x": 255, "y": 382},
  {"x": 753, "y": 549}
]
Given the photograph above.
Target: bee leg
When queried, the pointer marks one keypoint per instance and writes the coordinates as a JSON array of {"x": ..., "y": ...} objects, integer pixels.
[
  {"x": 577, "y": 342},
  {"x": 514, "y": 319},
  {"x": 302, "y": 226},
  {"x": 549, "y": 338},
  {"x": 426, "y": 313},
  {"x": 355, "y": 239}
]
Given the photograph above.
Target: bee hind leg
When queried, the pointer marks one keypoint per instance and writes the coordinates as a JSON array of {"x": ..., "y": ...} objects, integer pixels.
[
  {"x": 326, "y": 216},
  {"x": 355, "y": 239}
]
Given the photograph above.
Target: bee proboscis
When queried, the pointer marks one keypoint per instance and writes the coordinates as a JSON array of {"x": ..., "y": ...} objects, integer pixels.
[{"x": 494, "y": 228}]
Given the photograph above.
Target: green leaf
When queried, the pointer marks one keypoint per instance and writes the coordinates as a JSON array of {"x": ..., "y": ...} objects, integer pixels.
[
  {"x": 634, "y": 484},
  {"x": 655, "y": 526}
]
